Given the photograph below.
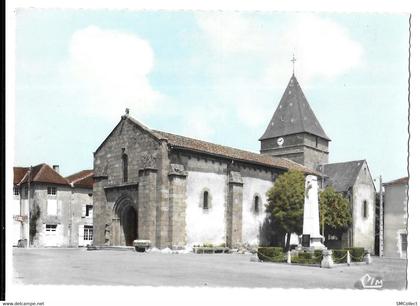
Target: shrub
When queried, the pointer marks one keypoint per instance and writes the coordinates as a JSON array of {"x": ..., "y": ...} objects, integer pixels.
[
  {"x": 357, "y": 254},
  {"x": 339, "y": 256},
  {"x": 307, "y": 258},
  {"x": 274, "y": 254},
  {"x": 33, "y": 223},
  {"x": 318, "y": 254},
  {"x": 305, "y": 255}
]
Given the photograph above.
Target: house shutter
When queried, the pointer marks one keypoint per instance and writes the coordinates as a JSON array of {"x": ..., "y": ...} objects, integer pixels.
[
  {"x": 81, "y": 231},
  {"x": 52, "y": 207}
]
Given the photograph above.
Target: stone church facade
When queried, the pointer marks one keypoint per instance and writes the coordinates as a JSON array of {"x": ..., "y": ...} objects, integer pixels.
[{"x": 178, "y": 192}]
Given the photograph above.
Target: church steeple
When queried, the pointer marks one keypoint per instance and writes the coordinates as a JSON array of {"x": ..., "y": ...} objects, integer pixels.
[{"x": 294, "y": 132}]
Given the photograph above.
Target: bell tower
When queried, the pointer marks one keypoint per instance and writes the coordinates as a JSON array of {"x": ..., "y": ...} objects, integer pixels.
[{"x": 294, "y": 132}]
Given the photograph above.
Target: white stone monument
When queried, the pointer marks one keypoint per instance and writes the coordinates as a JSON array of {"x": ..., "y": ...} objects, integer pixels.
[{"x": 311, "y": 213}]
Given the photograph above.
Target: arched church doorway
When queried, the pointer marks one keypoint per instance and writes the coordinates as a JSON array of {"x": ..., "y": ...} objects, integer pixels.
[
  {"x": 124, "y": 224},
  {"x": 129, "y": 224}
]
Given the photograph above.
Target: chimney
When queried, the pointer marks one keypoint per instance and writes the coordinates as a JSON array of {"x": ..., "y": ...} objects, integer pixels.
[{"x": 56, "y": 168}]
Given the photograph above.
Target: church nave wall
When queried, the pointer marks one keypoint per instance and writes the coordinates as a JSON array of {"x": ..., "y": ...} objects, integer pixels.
[{"x": 205, "y": 214}]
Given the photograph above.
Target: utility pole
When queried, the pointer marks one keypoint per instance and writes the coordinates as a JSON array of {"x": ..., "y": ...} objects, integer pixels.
[
  {"x": 322, "y": 189},
  {"x": 29, "y": 208},
  {"x": 381, "y": 219}
]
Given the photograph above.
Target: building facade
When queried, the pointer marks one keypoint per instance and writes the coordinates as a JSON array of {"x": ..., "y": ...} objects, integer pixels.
[
  {"x": 396, "y": 218},
  {"x": 354, "y": 181},
  {"x": 51, "y": 207},
  {"x": 177, "y": 191}
]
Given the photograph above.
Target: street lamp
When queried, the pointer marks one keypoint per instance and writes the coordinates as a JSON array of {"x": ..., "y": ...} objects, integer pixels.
[{"x": 381, "y": 218}]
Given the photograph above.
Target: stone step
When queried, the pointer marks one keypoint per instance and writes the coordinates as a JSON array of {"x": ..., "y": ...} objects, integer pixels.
[{"x": 108, "y": 247}]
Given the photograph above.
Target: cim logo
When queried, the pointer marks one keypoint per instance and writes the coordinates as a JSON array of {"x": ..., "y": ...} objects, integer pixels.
[{"x": 370, "y": 282}]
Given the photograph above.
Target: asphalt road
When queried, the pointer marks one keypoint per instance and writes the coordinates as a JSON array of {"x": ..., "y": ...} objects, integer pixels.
[{"x": 111, "y": 267}]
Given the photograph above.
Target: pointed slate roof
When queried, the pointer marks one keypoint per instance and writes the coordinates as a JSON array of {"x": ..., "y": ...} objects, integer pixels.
[
  {"x": 342, "y": 176},
  {"x": 293, "y": 115}
]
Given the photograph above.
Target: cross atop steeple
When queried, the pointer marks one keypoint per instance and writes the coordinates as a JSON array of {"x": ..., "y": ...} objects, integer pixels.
[{"x": 293, "y": 61}]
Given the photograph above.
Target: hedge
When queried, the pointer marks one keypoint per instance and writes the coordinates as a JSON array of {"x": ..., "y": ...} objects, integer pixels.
[
  {"x": 357, "y": 254},
  {"x": 318, "y": 253},
  {"x": 339, "y": 256},
  {"x": 274, "y": 254},
  {"x": 308, "y": 258}
]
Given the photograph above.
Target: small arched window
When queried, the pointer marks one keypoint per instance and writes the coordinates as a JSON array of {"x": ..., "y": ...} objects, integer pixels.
[
  {"x": 125, "y": 167},
  {"x": 256, "y": 204},
  {"x": 206, "y": 200},
  {"x": 365, "y": 209}
]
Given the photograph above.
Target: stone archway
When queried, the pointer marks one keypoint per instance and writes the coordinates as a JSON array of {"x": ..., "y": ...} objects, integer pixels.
[{"x": 124, "y": 223}]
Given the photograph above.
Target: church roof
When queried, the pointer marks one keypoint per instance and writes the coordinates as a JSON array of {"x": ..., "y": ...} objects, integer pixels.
[
  {"x": 43, "y": 173},
  {"x": 293, "y": 115},
  {"x": 342, "y": 176},
  {"x": 205, "y": 147},
  {"x": 232, "y": 153}
]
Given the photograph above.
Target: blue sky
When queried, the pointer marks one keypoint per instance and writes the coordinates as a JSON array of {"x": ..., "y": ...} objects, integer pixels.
[{"x": 210, "y": 75}]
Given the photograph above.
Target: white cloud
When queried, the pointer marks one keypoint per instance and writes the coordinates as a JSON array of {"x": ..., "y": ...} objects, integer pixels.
[
  {"x": 203, "y": 123},
  {"x": 323, "y": 48},
  {"x": 111, "y": 68}
]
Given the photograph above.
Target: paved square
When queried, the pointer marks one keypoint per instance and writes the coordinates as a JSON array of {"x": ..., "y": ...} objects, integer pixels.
[{"x": 109, "y": 267}]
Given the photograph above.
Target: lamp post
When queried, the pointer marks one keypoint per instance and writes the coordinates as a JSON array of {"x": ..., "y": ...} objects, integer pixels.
[
  {"x": 381, "y": 218},
  {"x": 29, "y": 208},
  {"x": 320, "y": 210}
]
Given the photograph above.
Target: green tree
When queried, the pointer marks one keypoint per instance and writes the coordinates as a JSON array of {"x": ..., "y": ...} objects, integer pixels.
[
  {"x": 285, "y": 203},
  {"x": 335, "y": 214}
]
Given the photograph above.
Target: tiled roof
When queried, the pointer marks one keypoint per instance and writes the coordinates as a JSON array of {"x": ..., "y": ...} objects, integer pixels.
[
  {"x": 228, "y": 152},
  {"x": 342, "y": 176},
  {"x": 83, "y": 179},
  {"x": 400, "y": 181},
  {"x": 196, "y": 145},
  {"x": 293, "y": 115},
  {"x": 43, "y": 173},
  {"x": 18, "y": 174}
]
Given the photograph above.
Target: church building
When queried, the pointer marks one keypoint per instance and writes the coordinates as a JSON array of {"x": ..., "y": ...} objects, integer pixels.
[
  {"x": 295, "y": 133},
  {"x": 179, "y": 192}
]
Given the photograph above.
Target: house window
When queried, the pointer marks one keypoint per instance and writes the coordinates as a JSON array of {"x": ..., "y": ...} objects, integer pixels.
[
  {"x": 206, "y": 200},
  {"x": 51, "y": 227},
  {"x": 256, "y": 204},
  {"x": 404, "y": 242},
  {"x": 89, "y": 209},
  {"x": 88, "y": 232},
  {"x": 16, "y": 191},
  {"x": 125, "y": 167},
  {"x": 52, "y": 191},
  {"x": 365, "y": 209}
]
